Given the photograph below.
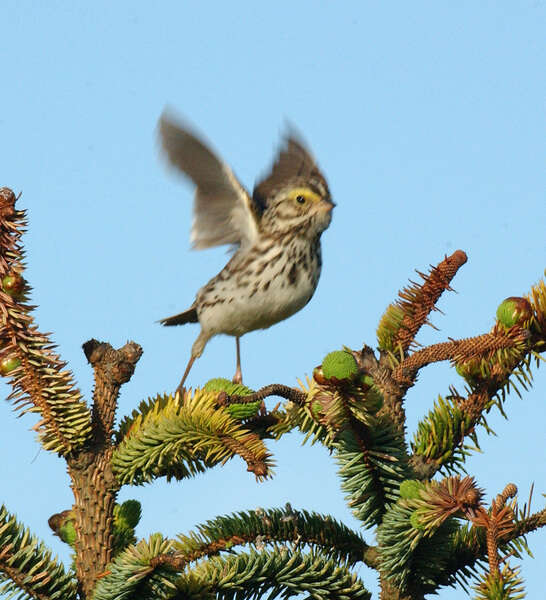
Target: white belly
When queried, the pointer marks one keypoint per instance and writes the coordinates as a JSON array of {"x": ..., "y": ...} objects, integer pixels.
[{"x": 269, "y": 288}]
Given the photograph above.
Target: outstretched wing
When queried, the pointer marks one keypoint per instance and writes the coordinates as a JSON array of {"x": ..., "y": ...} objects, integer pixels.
[{"x": 223, "y": 212}]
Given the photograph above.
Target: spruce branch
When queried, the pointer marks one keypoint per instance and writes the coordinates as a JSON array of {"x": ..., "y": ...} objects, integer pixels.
[
  {"x": 483, "y": 346},
  {"x": 131, "y": 576},
  {"x": 501, "y": 585},
  {"x": 472, "y": 545},
  {"x": 273, "y": 389},
  {"x": 112, "y": 369},
  {"x": 299, "y": 415},
  {"x": 272, "y": 526},
  {"x": 371, "y": 469},
  {"x": 437, "y": 501},
  {"x": 265, "y": 422},
  {"x": 411, "y": 558},
  {"x": 490, "y": 363},
  {"x": 27, "y": 567},
  {"x": 498, "y": 522},
  {"x": 414, "y": 537},
  {"x": 527, "y": 525},
  {"x": 179, "y": 436},
  {"x": 370, "y": 450},
  {"x": 93, "y": 483},
  {"x": 357, "y": 413},
  {"x": 392, "y": 391},
  {"x": 271, "y": 574},
  {"x": 40, "y": 381},
  {"x": 402, "y": 321},
  {"x": 439, "y": 440},
  {"x": 437, "y": 443}
]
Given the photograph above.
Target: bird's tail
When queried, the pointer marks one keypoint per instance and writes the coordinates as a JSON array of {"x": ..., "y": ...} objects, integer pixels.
[{"x": 188, "y": 316}]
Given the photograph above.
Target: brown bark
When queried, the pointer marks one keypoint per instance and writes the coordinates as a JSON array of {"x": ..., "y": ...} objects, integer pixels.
[
  {"x": 92, "y": 481},
  {"x": 274, "y": 389},
  {"x": 391, "y": 592},
  {"x": 95, "y": 492}
]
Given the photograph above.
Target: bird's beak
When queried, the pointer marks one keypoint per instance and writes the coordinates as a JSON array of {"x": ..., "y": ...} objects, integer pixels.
[{"x": 329, "y": 205}]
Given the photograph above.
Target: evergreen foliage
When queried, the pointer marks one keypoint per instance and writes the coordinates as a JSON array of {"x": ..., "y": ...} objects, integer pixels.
[
  {"x": 439, "y": 434},
  {"x": 131, "y": 575},
  {"x": 275, "y": 573},
  {"x": 177, "y": 437},
  {"x": 273, "y": 526},
  {"x": 27, "y": 567},
  {"x": 432, "y": 526}
]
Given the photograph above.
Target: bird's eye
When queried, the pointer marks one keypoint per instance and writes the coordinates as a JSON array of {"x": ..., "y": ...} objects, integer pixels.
[{"x": 300, "y": 199}]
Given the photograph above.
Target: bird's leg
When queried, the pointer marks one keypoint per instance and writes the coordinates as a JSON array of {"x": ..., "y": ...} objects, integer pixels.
[
  {"x": 238, "y": 377},
  {"x": 196, "y": 351},
  {"x": 188, "y": 368}
]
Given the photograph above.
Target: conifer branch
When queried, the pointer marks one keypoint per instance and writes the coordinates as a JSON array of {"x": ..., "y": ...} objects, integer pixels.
[
  {"x": 371, "y": 471},
  {"x": 93, "y": 483},
  {"x": 38, "y": 376},
  {"x": 440, "y": 436},
  {"x": 407, "y": 315},
  {"x": 264, "y": 423},
  {"x": 260, "y": 527},
  {"x": 490, "y": 364},
  {"x": 482, "y": 346},
  {"x": 178, "y": 437},
  {"x": 273, "y": 389},
  {"x": 271, "y": 574},
  {"x": 28, "y": 567},
  {"x": 112, "y": 369},
  {"x": 391, "y": 390},
  {"x": 526, "y": 525},
  {"x": 437, "y": 443},
  {"x": 130, "y": 574},
  {"x": 346, "y": 417},
  {"x": 415, "y": 535},
  {"x": 300, "y": 416},
  {"x": 409, "y": 558},
  {"x": 479, "y": 542},
  {"x": 504, "y": 584}
]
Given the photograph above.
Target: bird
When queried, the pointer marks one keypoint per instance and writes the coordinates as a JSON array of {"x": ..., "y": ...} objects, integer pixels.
[{"x": 274, "y": 233}]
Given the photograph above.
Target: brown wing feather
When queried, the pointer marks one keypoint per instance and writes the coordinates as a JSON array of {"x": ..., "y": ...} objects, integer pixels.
[{"x": 224, "y": 213}]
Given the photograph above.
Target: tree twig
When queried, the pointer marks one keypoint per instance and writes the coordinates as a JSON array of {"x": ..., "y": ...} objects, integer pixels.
[
  {"x": 463, "y": 349},
  {"x": 274, "y": 389},
  {"x": 112, "y": 368},
  {"x": 418, "y": 301}
]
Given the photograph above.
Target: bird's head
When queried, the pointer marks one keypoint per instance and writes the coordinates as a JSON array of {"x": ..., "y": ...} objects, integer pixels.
[
  {"x": 298, "y": 204},
  {"x": 295, "y": 194}
]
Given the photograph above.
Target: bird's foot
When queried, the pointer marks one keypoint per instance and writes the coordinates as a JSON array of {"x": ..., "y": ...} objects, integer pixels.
[{"x": 238, "y": 377}]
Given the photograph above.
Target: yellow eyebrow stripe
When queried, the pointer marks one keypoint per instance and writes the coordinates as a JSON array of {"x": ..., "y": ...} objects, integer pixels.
[{"x": 305, "y": 191}]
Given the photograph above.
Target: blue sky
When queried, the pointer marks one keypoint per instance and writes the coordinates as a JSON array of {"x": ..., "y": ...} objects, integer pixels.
[{"x": 428, "y": 120}]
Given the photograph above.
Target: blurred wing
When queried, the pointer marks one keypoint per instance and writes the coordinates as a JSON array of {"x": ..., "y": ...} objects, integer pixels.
[
  {"x": 223, "y": 212},
  {"x": 294, "y": 161}
]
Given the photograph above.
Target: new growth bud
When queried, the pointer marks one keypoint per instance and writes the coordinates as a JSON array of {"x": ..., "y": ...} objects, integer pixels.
[
  {"x": 14, "y": 285},
  {"x": 8, "y": 364},
  {"x": 339, "y": 365},
  {"x": 513, "y": 311}
]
